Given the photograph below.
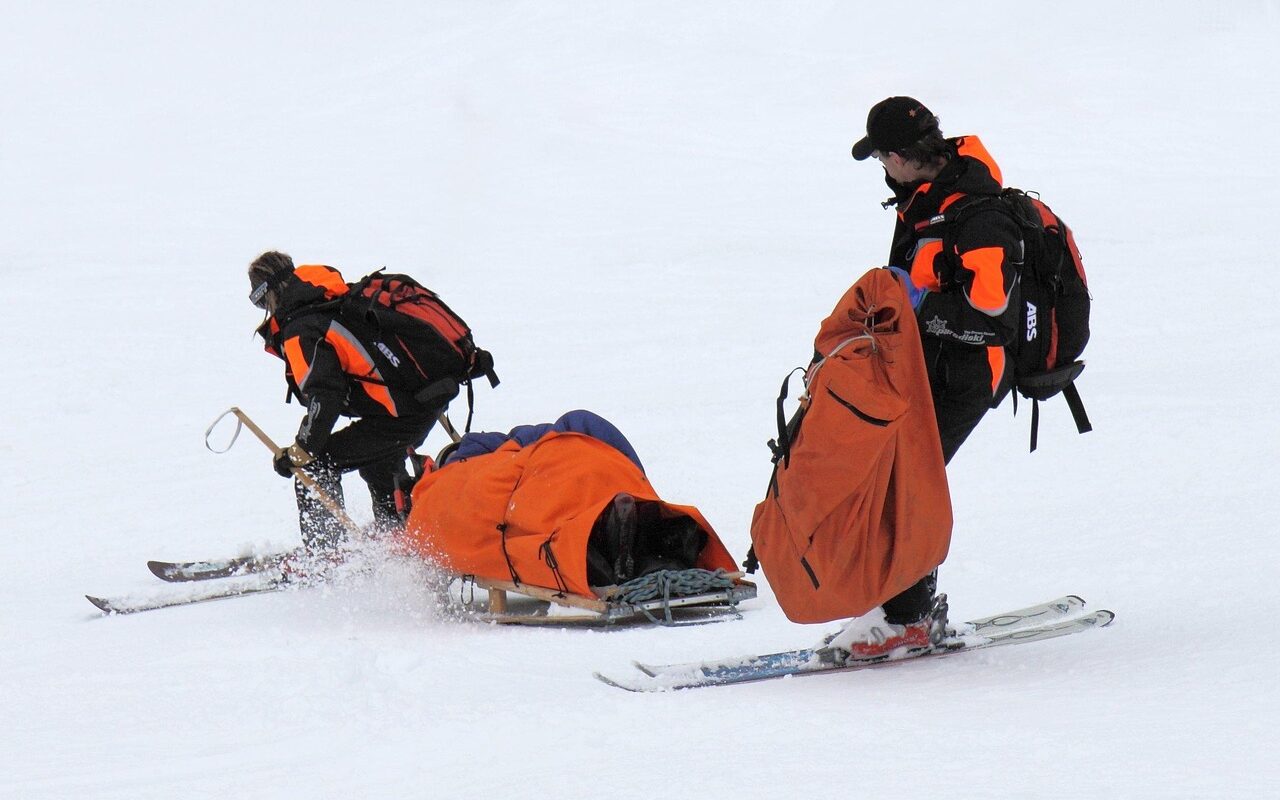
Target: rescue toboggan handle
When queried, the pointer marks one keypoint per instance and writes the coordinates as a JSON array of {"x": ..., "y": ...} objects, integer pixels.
[{"x": 326, "y": 500}]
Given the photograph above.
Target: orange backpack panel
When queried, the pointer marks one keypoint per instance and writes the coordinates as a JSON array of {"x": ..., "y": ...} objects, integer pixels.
[
  {"x": 525, "y": 514},
  {"x": 858, "y": 508}
]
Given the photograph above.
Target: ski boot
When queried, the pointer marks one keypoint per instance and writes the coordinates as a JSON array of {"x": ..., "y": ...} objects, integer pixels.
[{"x": 871, "y": 638}]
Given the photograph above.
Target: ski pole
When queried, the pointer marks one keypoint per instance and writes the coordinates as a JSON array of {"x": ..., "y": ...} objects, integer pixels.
[
  {"x": 331, "y": 505},
  {"x": 448, "y": 427}
]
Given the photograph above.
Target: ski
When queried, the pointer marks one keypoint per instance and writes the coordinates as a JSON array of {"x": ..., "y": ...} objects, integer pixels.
[
  {"x": 1031, "y": 616},
  {"x": 134, "y": 604},
  {"x": 811, "y": 661},
  {"x": 184, "y": 571},
  {"x": 305, "y": 571}
]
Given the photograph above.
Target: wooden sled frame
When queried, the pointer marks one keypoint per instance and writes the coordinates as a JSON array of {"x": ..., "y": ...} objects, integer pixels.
[{"x": 596, "y": 611}]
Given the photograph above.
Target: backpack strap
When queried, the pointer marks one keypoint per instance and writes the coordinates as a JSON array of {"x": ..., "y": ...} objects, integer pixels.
[
  {"x": 1036, "y": 388},
  {"x": 437, "y": 393},
  {"x": 471, "y": 405},
  {"x": 781, "y": 446},
  {"x": 1035, "y": 424},
  {"x": 964, "y": 208},
  {"x": 1083, "y": 425},
  {"x": 1072, "y": 394}
]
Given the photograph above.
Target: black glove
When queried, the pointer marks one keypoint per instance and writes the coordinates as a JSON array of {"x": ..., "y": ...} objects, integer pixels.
[{"x": 291, "y": 458}]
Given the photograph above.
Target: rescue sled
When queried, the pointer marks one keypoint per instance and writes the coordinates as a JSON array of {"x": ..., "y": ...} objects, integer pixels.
[{"x": 559, "y": 525}]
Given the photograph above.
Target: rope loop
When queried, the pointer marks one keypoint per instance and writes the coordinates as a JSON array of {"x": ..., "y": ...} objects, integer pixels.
[{"x": 669, "y": 583}]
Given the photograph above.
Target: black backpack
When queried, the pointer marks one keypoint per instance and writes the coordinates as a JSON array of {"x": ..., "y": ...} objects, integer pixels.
[
  {"x": 1053, "y": 324},
  {"x": 440, "y": 353}
]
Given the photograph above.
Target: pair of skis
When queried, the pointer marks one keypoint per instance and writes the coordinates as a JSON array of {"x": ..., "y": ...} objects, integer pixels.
[
  {"x": 1061, "y": 617},
  {"x": 265, "y": 567}
]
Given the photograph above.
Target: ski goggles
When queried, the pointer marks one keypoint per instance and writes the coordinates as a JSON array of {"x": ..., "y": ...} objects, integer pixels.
[{"x": 259, "y": 295}]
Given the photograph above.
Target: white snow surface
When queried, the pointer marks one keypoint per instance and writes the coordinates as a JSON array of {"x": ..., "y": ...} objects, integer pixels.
[{"x": 644, "y": 209}]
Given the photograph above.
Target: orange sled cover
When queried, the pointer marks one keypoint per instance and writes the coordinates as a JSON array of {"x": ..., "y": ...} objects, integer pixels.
[
  {"x": 858, "y": 510},
  {"x": 525, "y": 514}
]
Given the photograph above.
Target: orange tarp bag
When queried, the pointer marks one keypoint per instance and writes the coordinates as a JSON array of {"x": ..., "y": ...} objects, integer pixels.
[
  {"x": 525, "y": 513},
  {"x": 858, "y": 508}
]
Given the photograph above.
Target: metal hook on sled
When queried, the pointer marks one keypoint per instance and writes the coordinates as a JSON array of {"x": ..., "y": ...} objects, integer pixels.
[{"x": 467, "y": 582}]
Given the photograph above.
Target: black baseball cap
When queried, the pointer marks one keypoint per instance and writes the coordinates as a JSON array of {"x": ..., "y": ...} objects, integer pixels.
[{"x": 893, "y": 124}]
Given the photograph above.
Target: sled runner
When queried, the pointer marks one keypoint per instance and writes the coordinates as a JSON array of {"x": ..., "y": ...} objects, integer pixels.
[{"x": 509, "y": 604}]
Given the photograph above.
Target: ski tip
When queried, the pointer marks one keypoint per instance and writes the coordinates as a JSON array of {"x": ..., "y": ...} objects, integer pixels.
[
  {"x": 160, "y": 569},
  {"x": 611, "y": 682},
  {"x": 1077, "y": 598},
  {"x": 102, "y": 604},
  {"x": 645, "y": 668},
  {"x": 1105, "y": 617}
]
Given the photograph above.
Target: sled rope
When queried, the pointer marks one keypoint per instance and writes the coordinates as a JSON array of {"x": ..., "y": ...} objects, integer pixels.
[{"x": 668, "y": 583}]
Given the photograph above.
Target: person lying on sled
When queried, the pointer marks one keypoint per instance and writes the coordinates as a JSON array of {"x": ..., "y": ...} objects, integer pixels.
[{"x": 563, "y": 505}]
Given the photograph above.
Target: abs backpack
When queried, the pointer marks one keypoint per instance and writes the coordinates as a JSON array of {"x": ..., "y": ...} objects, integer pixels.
[
  {"x": 1054, "y": 319},
  {"x": 441, "y": 355}
]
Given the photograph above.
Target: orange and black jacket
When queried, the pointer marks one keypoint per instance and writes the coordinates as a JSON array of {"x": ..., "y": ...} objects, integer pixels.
[
  {"x": 969, "y": 267},
  {"x": 336, "y": 367},
  {"x": 967, "y": 253}
]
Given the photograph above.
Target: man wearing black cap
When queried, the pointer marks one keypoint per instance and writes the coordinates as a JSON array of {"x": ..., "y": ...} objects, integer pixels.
[
  {"x": 960, "y": 273},
  {"x": 961, "y": 291}
]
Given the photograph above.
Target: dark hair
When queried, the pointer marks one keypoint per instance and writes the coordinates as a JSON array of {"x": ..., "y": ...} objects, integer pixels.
[
  {"x": 270, "y": 266},
  {"x": 931, "y": 148},
  {"x": 268, "y": 275}
]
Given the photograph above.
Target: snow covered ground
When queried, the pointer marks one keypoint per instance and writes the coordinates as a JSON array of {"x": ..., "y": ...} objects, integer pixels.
[{"x": 643, "y": 208}]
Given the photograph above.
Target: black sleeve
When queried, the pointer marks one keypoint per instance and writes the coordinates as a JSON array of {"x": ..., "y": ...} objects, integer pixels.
[
  {"x": 325, "y": 392},
  {"x": 978, "y": 301}
]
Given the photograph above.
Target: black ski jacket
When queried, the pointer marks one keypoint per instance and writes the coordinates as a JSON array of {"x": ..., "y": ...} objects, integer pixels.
[
  {"x": 972, "y": 280},
  {"x": 332, "y": 365}
]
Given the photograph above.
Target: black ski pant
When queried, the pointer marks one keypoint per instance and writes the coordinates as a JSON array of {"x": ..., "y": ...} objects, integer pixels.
[{"x": 376, "y": 447}]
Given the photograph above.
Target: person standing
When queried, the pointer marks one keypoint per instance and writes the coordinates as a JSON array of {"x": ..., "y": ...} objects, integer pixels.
[{"x": 961, "y": 278}]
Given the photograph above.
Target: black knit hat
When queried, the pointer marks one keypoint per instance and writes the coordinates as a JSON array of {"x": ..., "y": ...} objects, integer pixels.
[{"x": 894, "y": 124}]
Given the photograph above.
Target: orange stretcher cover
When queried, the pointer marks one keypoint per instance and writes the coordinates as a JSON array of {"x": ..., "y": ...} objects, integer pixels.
[{"x": 525, "y": 514}]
